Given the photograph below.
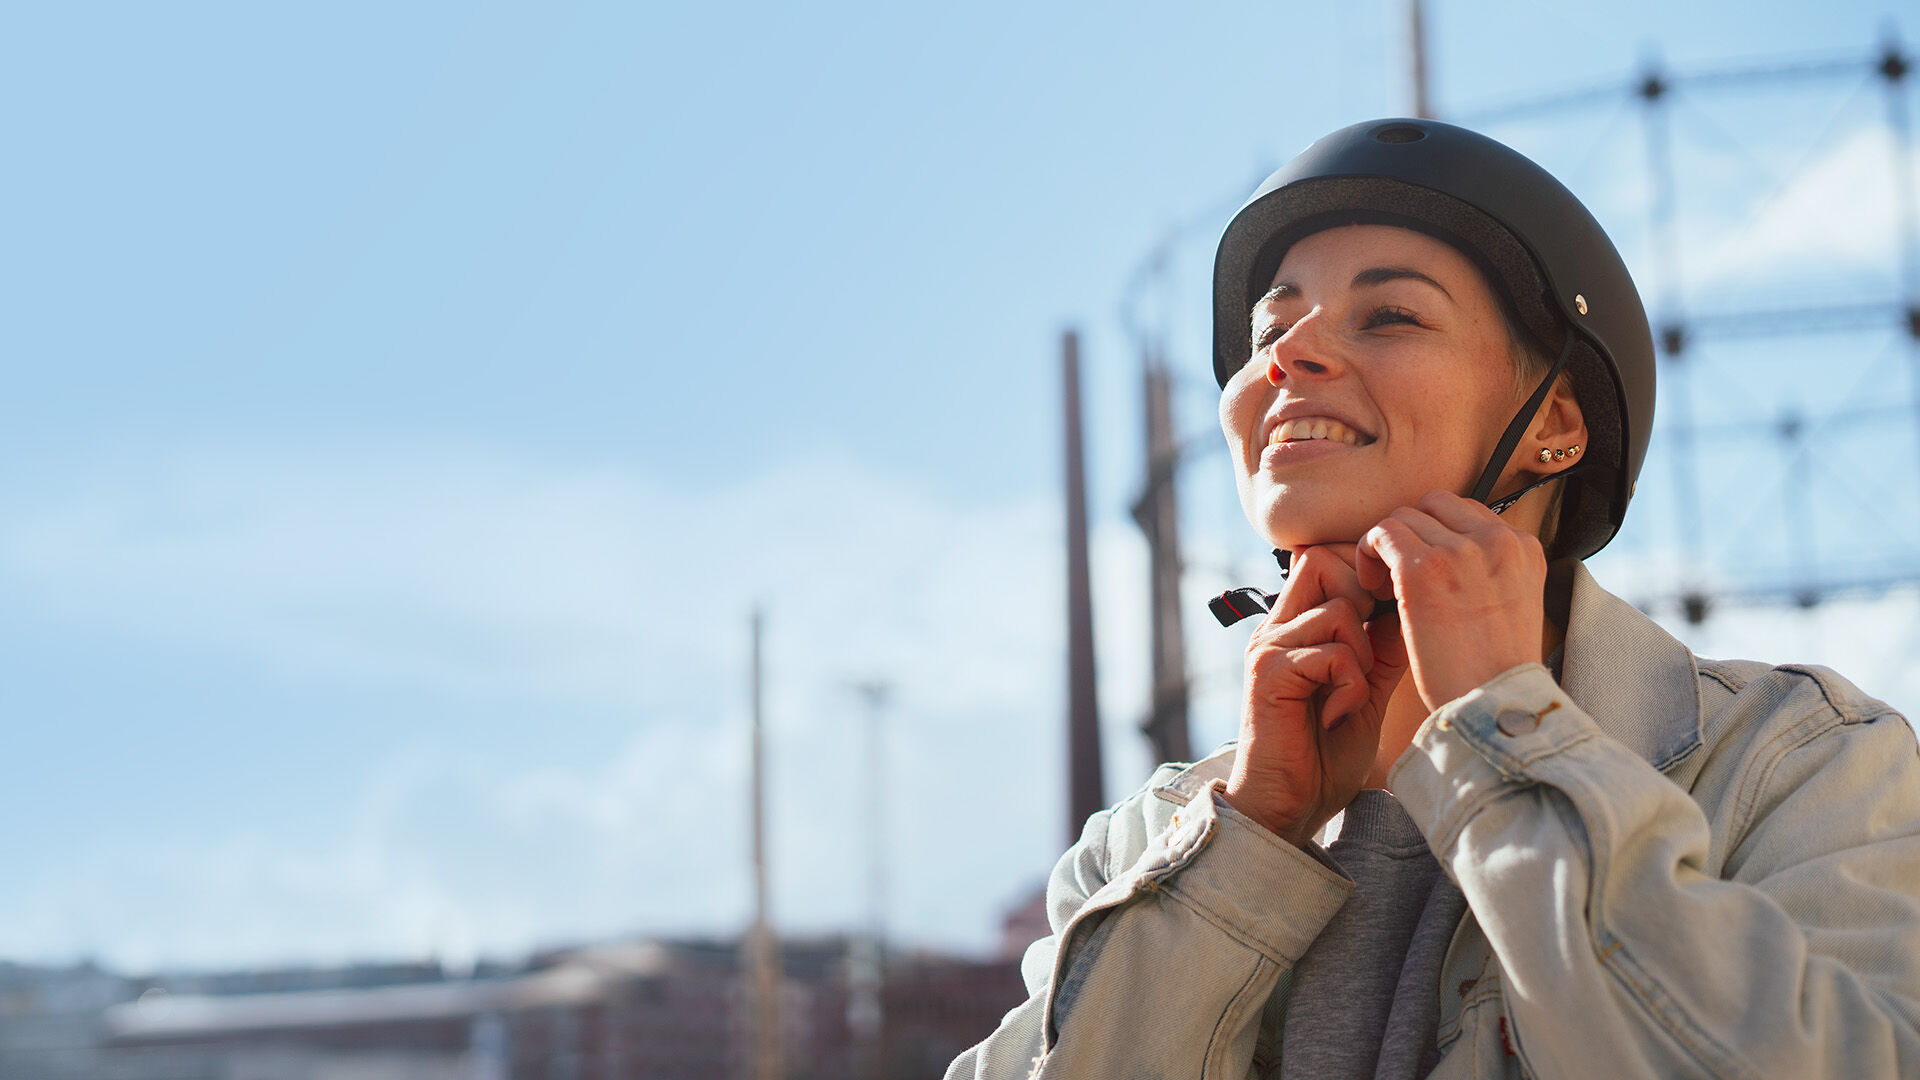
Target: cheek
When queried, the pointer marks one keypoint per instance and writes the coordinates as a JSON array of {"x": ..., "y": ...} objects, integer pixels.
[
  {"x": 1442, "y": 424},
  {"x": 1241, "y": 406}
]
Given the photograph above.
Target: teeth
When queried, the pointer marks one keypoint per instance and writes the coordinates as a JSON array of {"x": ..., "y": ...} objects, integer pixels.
[{"x": 1316, "y": 427}]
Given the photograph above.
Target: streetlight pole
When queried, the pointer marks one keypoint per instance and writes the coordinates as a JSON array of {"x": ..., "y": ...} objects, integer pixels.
[{"x": 866, "y": 960}]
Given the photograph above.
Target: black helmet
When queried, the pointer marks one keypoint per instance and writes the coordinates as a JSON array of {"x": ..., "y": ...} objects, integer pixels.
[{"x": 1529, "y": 236}]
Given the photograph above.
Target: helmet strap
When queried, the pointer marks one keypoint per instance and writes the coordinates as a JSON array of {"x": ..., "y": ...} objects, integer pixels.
[{"x": 1511, "y": 437}]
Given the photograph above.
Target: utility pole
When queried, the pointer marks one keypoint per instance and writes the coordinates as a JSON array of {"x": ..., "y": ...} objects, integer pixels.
[
  {"x": 1417, "y": 44},
  {"x": 1670, "y": 331},
  {"x": 1084, "y": 795},
  {"x": 762, "y": 948},
  {"x": 1895, "y": 65},
  {"x": 867, "y": 959},
  {"x": 1157, "y": 513}
]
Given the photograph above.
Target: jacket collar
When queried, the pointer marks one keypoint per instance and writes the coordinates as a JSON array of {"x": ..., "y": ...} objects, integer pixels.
[{"x": 1636, "y": 680}]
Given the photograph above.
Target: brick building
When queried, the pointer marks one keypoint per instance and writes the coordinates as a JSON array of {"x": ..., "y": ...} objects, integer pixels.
[{"x": 643, "y": 1009}]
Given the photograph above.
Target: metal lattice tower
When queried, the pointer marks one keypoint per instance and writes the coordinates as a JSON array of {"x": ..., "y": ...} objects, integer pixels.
[{"x": 1773, "y": 392}]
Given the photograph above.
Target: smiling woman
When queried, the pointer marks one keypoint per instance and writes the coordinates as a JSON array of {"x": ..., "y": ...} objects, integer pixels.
[{"x": 1482, "y": 818}]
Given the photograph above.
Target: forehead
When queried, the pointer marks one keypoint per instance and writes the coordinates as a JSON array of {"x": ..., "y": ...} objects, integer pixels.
[{"x": 1340, "y": 252}]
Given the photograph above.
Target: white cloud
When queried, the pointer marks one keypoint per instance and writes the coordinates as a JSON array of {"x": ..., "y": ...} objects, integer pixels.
[
  {"x": 1837, "y": 214},
  {"x": 481, "y": 577},
  {"x": 442, "y": 855}
]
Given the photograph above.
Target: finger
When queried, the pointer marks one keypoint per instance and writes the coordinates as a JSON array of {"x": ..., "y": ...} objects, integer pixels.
[
  {"x": 1462, "y": 515},
  {"x": 1310, "y": 581},
  {"x": 1333, "y": 665},
  {"x": 1338, "y": 551},
  {"x": 1317, "y": 576},
  {"x": 1390, "y": 546},
  {"x": 1335, "y": 620},
  {"x": 1346, "y": 701},
  {"x": 1490, "y": 545},
  {"x": 1430, "y": 529}
]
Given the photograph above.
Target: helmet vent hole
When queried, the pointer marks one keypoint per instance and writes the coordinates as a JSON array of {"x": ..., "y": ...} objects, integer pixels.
[{"x": 1399, "y": 133}]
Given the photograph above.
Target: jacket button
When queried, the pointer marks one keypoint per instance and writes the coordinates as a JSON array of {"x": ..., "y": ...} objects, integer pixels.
[{"x": 1517, "y": 722}]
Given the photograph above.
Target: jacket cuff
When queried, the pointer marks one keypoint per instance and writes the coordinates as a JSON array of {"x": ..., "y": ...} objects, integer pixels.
[
  {"x": 1477, "y": 747},
  {"x": 1261, "y": 889}
]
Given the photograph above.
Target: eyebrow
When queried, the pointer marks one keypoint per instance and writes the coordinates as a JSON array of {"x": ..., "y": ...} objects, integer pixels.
[{"x": 1375, "y": 275}]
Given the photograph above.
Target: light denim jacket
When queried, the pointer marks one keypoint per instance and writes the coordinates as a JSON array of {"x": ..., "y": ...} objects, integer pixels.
[{"x": 1675, "y": 867}]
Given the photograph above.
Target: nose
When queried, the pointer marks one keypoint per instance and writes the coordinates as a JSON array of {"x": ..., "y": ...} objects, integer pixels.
[{"x": 1303, "y": 353}]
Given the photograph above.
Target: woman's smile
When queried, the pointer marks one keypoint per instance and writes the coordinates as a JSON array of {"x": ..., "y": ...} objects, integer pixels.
[
  {"x": 1302, "y": 432},
  {"x": 1316, "y": 427},
  {"x": 1296, "y": 442}
]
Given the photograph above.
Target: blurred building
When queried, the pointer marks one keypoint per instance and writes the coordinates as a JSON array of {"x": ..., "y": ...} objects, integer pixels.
[
  {"x": 640, "y": 1009},
  {"x": 1023, "y": 924},
  {"x": 51, "y": 1019}
]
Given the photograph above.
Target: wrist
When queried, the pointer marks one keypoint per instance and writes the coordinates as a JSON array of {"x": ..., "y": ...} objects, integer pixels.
[
  {"x": 1488, "y": 673},
  {"x": 1293, "y": 831}
]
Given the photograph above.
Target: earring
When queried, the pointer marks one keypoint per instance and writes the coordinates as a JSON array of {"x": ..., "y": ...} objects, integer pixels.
[{"x": 1559, "y": 455}]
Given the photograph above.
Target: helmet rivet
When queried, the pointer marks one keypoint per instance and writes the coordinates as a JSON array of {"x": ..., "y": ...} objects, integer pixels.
[{"x": 1580, "y": 303}]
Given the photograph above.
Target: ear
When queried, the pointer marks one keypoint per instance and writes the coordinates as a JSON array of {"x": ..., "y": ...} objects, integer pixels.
[{"x": 1558, "y": 426}]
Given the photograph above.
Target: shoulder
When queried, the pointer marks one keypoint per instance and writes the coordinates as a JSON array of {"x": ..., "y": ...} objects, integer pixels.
[
  {"x": 1806, "y": 688},
  {"x": 1763, "y": 709},
  {"x": 1798, "y": 749}
]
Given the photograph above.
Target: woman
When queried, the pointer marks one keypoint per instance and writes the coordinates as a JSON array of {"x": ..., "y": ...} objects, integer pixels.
[{"x": 1567, "y": 847}]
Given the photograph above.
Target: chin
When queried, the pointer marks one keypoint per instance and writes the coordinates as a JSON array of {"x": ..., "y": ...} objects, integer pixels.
[{"x": 1292, "y": 521}]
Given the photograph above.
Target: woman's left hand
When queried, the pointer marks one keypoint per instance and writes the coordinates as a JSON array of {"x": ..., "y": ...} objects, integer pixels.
[{"x": 1468, "y": 586}]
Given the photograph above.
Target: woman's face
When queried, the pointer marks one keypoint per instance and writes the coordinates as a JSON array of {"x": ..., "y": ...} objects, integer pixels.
[{"x": 1396, "y": 376}]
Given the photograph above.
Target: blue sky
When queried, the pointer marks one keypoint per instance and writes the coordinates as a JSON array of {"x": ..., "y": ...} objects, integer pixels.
[{"x": 412, "y": 401}]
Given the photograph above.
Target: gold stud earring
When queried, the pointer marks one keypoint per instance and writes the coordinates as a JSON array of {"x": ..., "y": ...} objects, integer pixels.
[{"x": 1546, "y": 454}]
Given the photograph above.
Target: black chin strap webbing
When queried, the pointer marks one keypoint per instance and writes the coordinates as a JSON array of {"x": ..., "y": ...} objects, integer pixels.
[{"x": 1511, "y": 437}]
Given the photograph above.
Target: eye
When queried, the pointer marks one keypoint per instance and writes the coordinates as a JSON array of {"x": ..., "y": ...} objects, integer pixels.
[
  {"x": 1390, "y": 316},
  {"x": 1264, "y": 336}
]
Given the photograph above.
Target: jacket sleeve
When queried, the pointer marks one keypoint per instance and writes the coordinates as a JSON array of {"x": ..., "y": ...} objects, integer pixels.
[
  {"x": 1161, "y": 966},
  {"x": 1623, "y": 954}
]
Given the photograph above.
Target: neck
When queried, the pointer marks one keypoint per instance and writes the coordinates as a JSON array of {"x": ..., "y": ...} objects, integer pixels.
[{"x": 1406, "y": 712}]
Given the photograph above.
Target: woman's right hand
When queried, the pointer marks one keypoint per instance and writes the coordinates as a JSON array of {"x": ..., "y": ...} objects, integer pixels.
[{"x": 1317, "y": 683}]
